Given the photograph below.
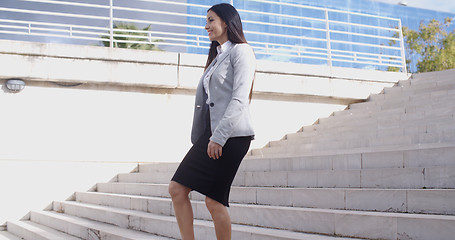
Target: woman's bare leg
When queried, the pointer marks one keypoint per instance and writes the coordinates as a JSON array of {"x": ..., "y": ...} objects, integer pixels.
[
  {"x": 183, "y": 209},
  {"x": 221, "y": 219}
]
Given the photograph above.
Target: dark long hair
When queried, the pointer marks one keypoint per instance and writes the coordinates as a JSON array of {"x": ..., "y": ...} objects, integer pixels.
[{"x": 231, "y": 17}]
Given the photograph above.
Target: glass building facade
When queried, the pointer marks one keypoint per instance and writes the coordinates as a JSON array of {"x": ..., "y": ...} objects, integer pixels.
[
  {"x": 344, "y": 33},
  {"x": 312, "y": 30}
]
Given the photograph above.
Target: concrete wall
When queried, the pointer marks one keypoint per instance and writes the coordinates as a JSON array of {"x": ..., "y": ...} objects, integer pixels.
[{"x": 84, "y": 108}]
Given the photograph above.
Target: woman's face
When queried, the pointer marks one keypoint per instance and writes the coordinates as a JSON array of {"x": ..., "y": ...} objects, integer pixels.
[{"x": 216, "y": 28}]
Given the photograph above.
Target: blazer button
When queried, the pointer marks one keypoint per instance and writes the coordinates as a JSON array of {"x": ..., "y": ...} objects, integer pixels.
[{"x": 212, "y": 104}]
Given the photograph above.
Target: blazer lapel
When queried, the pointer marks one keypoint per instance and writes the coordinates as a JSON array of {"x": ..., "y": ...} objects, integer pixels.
[
  {"x": 208, "y": 68},
  {"x": 214, "y": 64},
  {"x": 221, "y": 59}
]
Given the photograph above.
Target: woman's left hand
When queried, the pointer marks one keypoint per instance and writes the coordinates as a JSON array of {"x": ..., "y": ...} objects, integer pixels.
[{"x": 214, "y": 150}]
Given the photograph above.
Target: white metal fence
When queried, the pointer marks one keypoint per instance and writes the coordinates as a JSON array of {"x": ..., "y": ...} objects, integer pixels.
[{"x": 300, "y": 34}]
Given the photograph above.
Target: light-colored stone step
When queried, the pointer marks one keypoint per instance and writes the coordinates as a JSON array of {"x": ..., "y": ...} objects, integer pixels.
[
  {"x": 302, "y": 148},
  {"x": 387, "y": 121},
  {"x": 417, "y": 102},
  {"x": 418, "y": 87},
  {"x": 393, "y": 178},
  {"x": 260, "y": 155},
  {"x": 430, "y": 201},
  {"x": 88, "y": 229},
  {"x": 350, "y": 140},
  {"x": 406, "y": 82},
  {"x": 340, "y": 134},
  {"x": 362, "y": 127},
  {"x": 158, "y": 177},
  {"x": 433, "y": 132},
  {"x": 167, "y": 226},
  {"x": 390, "y": 178},
  {"x": 433, "y": 76},
  {"x": 433, "y": 84},
  {"x": 137, "y": 189},
  {"x": 418, "y": 82},
  {"x": 4, "y": 235},
  {"x": 439, "y": 132},
  {"x": 374, "y": 225},
  {"x": 32, "y": 231},
  {"x": 420, "y": 157},
  {"x": 411, "y": 135},
  {"x": 158, "y": 167},
  {"x": 422, "y": 99},
  {"x": 405, "y": 113},
  {"x": 442, "y": 104},
  {"x": 403, "y": 101}
]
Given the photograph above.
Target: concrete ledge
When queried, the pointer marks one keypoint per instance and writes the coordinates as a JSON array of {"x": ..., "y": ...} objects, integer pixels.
[
  {"x": 57, "y": 50},
  {"x": 329, "y": 72},
  {"x": 100, "y": 65}
]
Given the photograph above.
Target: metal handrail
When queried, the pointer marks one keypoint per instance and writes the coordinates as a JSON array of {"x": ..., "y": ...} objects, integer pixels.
[
  {"x": 195, "y": 38},
  {"x": 318, "y": 8},
  {"x": 68, "y": 3}
]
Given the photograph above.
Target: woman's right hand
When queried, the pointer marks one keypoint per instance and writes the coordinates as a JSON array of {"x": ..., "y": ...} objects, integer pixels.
[{"x": 214, "y": 150}]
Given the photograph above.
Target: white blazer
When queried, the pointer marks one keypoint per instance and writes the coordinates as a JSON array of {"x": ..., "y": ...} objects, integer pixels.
[{"x": 229, "y": 88}]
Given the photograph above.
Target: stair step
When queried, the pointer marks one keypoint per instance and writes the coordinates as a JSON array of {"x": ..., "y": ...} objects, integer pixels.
[
  {"x": 167, "y": 225},
  {"x": 434, "y": 135},
  {"x": 374, "y": 225},
  {"x": 416, "y": 88},
  {"x": 433, "y": 76},
  {"x": 33, "y": 231},
  {"x": 379, "y": 107},
  {"x": 259, "y": 154},
  {"x": 4, "y": 235},
  {"x": 158, "y": 177},
  {"x": 88, "y": 229},
  {"x": 423, "y": 157},
  {"x": 434, "y": 132},
  {"x": 398, "y": 103},
  {"x": 430, "y": 201},
  {"x": 391, "y": 178},
  {"x": 413, "y": 178},
  {"x": 158, "y": 167},
  {"x": 334, "y": 146},
  {"x": 387, "y": 121},
  {"x": 403, "y": 115},
  {"x": 137, "y": 189},
  {"x": 328, "y": 142}
]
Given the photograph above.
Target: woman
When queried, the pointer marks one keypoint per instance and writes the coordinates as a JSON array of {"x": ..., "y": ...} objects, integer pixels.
[{"x": 222, "y": 130}]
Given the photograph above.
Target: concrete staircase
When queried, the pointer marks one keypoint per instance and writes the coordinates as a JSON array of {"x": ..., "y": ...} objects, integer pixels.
[{"x": 382, "y": 169}]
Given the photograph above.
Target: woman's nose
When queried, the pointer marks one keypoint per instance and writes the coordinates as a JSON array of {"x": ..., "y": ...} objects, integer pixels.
[{"x": 207, "y": 26}]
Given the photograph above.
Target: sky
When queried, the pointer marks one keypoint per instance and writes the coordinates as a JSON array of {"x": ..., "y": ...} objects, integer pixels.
[{"x": 438, "y": 5}]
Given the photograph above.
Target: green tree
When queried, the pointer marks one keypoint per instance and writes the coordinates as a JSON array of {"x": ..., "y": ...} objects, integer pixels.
[
  {"x": 431, "y": 48},
  {"x": 125, "y": 35}
]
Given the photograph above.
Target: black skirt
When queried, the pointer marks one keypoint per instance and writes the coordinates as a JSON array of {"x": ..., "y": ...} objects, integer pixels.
[{"x": 213, "y": 178}]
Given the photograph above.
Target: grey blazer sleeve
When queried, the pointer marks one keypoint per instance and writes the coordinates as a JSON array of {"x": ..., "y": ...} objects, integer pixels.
[{"x": 236, "y": 118}]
